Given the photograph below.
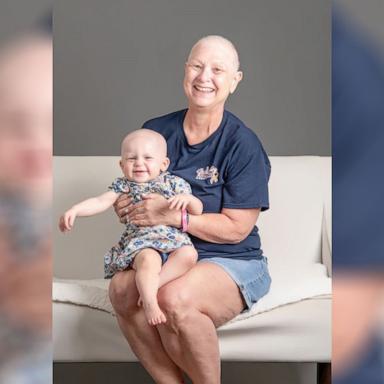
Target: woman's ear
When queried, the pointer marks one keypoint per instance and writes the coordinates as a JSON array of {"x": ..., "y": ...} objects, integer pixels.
[
  {"x": 236, "y": 80},
  {"x": 165, "y": 164}
]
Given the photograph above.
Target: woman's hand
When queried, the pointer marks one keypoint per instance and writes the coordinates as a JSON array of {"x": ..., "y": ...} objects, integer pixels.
[
  {"x": 153, "y": 210},
  {"x": 121, "y": 206}
]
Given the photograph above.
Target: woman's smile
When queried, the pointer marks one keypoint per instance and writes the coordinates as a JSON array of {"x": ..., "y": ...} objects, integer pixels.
[{"x": 202, "y": 89}]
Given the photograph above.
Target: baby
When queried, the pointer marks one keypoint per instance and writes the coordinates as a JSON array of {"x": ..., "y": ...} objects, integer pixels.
[{"x": 144, "y": 163}]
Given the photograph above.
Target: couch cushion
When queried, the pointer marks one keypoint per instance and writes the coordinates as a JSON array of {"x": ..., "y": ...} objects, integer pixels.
[{"x": 295, "y": 332}]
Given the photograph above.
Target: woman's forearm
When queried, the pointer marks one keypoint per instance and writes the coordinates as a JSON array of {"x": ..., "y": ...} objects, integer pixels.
[{"x": 216, "y": 228}]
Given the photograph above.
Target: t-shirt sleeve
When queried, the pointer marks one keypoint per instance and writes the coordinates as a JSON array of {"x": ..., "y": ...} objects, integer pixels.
[
  {"x": 247, "y": 175},
  {"x": 180, "y": 186},
  {"x": 119, "y": 185}
]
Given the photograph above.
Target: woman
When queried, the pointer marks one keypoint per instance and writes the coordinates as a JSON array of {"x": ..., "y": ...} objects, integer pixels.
[{"x": 228, "y": 170}]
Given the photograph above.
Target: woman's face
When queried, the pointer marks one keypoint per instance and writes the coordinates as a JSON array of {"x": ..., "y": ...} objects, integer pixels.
[{"x": 210, "y": 75}]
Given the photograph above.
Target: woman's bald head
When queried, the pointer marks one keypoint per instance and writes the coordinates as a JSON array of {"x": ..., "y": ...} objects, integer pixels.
[{"x": 220, "y": 41}]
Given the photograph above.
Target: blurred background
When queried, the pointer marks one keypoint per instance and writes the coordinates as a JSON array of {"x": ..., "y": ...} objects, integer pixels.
[
  {"x": 25, "y": 192},
  {"x": 358, "y": 188},
  {"x": 358, "y": 142}
]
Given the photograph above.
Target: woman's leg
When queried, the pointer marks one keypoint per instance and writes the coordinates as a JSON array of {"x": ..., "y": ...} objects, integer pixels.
[
  {"x": 179, "y": 261},
  {"x": 195, "y": 304},
  {"x": 147, "y": 264},
  {"x": 143, "y": 338}
]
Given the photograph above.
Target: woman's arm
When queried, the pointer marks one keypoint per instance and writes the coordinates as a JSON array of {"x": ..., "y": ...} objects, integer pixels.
[
  {"x": 87, "y": 207},
  {"x": 231, "y": 226},
  {"x": 228, "y": 227}
]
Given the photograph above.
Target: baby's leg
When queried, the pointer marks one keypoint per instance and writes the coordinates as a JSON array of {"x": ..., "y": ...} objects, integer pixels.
[
  {"x": 180, "y": 261},
  {"x": 147, "y": 264}
]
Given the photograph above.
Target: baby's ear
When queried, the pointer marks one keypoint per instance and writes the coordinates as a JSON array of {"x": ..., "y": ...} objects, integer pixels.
[
  {"x": 165, "y": 164},
  {"x": 121, "y": 164}
]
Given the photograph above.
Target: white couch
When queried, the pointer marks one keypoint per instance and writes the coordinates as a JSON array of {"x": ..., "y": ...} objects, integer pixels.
[{"x": 291, "y": 324}]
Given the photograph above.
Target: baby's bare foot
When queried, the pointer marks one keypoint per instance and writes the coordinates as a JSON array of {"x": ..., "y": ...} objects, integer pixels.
[{"x": 154, "y": 314}]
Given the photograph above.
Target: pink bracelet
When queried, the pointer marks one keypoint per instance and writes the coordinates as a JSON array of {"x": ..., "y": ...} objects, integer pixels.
[{"x": 184, "y": 220}]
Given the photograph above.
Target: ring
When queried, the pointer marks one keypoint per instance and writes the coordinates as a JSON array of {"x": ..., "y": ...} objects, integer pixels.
[{"x": 126, "y": 210}]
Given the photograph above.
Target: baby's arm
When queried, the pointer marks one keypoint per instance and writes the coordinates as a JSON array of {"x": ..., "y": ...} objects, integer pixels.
[
  {"x": 186, "y": 201},
  {"x": 87, "y": 207}
]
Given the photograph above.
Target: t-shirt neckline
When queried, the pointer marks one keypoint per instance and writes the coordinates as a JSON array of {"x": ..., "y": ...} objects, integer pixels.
[{"x": 208, "y": 139}]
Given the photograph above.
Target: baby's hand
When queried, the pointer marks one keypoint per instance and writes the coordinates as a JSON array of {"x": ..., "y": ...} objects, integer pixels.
[
  {"x": 180, "y": 201},
  {"x": 67, "y": 220}
]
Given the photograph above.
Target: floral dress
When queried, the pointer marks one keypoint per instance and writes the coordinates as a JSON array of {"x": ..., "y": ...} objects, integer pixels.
[{"x": 160, "y": 237}]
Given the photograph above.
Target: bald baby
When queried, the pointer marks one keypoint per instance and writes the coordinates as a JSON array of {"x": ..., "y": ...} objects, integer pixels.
[{"x": 143, "y": 155}]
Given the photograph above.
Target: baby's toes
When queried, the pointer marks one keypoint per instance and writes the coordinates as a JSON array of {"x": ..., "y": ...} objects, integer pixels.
[{"x": 163, "y": 319}]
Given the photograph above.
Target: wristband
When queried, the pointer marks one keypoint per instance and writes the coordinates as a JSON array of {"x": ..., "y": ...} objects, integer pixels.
[{"x": 184, "y": 220}]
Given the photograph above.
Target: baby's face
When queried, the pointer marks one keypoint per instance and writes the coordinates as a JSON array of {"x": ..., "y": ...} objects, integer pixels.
[{"x": 142, "y": 159}]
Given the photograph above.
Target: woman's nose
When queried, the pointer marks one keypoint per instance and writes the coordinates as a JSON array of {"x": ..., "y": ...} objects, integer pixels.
[{"x": 205, "y": 74}]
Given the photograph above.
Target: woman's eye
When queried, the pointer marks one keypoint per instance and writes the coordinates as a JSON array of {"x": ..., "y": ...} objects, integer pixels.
[
  {"x": 217, "y": 70},
  {"x": 197, "y": 66}
]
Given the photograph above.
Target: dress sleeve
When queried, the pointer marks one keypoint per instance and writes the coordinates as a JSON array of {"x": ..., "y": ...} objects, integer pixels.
[
  {"x": 119, "y": 185},
  {"x": 247, "y": 175},
  {"x": 179, "y": 185}
]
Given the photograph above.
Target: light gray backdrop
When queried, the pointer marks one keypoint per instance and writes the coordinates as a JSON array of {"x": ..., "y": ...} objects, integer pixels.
[{"x": 120, "y": 63}]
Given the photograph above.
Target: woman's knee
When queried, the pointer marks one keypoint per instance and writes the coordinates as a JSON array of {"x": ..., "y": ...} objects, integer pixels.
[
  {"x": 175, "y": 302},
  {"x": 123, "y": 292}
]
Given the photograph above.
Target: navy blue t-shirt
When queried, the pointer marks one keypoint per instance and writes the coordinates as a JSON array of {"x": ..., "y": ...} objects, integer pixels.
[{"x": 229, "y": 169}]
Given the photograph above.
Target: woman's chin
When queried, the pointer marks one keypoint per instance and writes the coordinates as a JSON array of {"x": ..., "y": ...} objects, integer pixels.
[{"x": 201, "y": 104}]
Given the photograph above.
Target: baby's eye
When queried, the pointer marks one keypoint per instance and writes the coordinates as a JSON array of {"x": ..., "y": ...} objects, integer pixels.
[
  {"x": 197, "y": 66},
  {"x": 131, "y": 158},
  {"x": 148, "y": 158},
  {"x": 217, "y": 70}
]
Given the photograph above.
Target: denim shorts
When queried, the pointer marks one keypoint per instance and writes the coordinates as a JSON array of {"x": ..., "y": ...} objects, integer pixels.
[
  {"x": 164, "y": 257},
  {"x": 251, "y": 276}
]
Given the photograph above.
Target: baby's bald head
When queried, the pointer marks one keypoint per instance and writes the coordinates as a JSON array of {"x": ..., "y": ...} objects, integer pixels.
[{"x": 148, "y": 136}]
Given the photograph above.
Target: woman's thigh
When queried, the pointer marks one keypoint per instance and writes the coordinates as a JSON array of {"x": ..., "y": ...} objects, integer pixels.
[{"x": 207, "y": 288}]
